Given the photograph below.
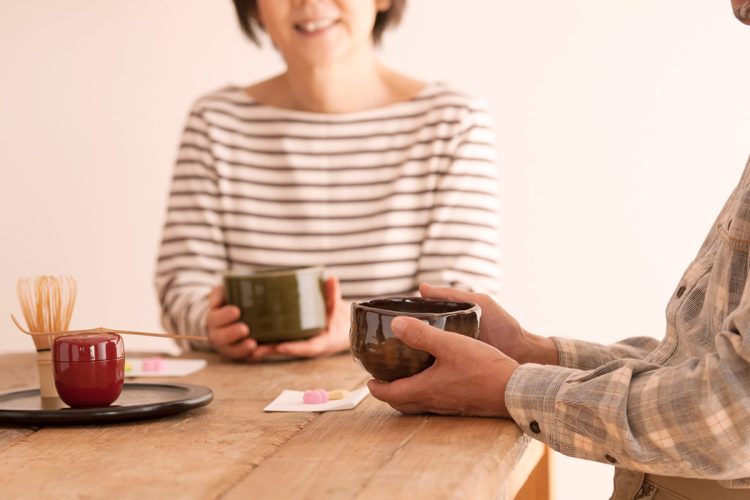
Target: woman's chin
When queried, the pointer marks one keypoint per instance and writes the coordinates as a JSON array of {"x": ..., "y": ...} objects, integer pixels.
[{"x": 742, "y": 12}]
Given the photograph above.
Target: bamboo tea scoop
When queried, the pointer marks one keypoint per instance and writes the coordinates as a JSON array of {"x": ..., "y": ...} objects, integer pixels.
[{"x": 109, "y": 330}]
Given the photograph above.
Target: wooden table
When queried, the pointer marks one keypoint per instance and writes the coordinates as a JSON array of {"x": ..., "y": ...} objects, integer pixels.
[{"x": 233, "y": 449}]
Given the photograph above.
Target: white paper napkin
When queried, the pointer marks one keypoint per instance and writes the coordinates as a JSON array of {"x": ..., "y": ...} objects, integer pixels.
[
  {"x": 292, "y": 401},
  {"x": 169, "y": 368}
]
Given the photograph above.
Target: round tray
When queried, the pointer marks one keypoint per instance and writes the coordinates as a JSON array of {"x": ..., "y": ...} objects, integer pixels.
[{"x": 137, "y": 401}]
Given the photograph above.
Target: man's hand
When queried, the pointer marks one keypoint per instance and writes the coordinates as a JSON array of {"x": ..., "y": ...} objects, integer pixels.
[
  {"x": 468, "y": 377},
  {"x": 500, "y": 329}
]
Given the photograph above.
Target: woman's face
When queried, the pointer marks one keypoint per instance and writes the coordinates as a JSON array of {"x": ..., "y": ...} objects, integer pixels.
[
  {"x": 319, "y": 32},
  {"x": 742, "y": 10}
]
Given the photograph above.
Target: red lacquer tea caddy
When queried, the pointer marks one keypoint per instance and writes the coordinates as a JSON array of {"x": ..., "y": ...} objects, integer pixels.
[{"x": 89, "y": 369}]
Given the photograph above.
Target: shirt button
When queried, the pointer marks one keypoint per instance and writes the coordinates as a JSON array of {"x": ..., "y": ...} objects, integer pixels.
[
  {"x": 680, "y": 291},
  {"x": 610, "y": 458},
  {"x": 644, "y": 491},
  {"x": 534, "y": 426}
]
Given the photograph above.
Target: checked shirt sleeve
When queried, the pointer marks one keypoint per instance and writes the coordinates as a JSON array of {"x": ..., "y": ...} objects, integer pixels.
[
  {"x": 691, "y": 419},
  {"x": 589, "y": 355}
]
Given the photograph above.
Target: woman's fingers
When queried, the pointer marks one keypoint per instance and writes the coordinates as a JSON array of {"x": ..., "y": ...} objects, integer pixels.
[
  {"x": 217, "y": 318},
  {"x": 226, "y": 334},
  {"x": 220, "y": 337},
  {"x": 240, "y": 350},
  {"x": 216, "y": 297},
  {"x": 263, "y": 351},
  {"x": 305, "y": 348},
  {"x": 333, "y": 296}
]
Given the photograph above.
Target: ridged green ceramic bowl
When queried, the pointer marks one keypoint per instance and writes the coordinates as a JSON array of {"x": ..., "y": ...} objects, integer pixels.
[{"x": 279, "y": 304}]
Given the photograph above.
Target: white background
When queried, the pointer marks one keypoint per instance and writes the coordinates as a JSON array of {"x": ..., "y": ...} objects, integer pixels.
[{"x": 621, "y": 127}]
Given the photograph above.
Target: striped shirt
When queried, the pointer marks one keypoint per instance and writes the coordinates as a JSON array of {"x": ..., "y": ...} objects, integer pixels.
[
  {"x": 384, "y": 198},
  {"x": 679, "y": 407}
]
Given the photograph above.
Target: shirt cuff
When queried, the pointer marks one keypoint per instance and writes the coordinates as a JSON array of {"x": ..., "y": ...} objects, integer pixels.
[
  {"x": 567, "y": 352},
  {"x": 530, "y": 399}
]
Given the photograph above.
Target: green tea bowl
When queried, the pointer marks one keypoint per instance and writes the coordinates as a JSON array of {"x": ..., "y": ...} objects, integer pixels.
[{"x": 279, "y": 304}]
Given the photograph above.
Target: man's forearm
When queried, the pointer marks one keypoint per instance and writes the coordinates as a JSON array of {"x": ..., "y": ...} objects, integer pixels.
[{"x": 538, "y": 349}]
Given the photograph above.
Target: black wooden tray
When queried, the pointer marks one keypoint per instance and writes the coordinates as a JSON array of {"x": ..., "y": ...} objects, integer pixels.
[{"x": 137, "y": 401}]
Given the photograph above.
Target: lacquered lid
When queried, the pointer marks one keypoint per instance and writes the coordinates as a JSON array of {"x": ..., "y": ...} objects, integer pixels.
[{"x": 88, "y": 347}]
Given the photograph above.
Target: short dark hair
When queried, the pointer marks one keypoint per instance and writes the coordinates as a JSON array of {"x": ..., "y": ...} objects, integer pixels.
[{"x": 247, "y": 11}]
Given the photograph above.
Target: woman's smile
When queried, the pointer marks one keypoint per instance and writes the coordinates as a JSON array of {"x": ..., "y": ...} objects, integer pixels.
[{"x": 316, "y": 26}]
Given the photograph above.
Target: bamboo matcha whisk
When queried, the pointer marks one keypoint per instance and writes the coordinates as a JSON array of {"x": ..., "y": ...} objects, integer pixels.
[{"x": 47, "y": 303}]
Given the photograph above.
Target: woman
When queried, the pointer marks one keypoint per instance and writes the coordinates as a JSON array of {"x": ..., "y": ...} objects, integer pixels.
[{"x": 386, "y": 180}]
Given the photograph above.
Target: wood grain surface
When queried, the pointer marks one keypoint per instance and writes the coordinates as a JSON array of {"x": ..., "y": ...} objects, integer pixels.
[{"x": 233, "y": 449}]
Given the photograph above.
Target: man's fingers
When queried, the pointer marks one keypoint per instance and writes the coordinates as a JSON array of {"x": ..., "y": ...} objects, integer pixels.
[
  {"x": 445, "y": 293},
  {"x": 409, "y": 408},
  {"x": 418, "y": 334},
  {"x": 390, "y": 392},
  {"x": 401, "y": 394}
]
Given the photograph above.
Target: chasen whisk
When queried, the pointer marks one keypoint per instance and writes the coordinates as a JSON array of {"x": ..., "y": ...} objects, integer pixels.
[{"x": 47, "y": 304}]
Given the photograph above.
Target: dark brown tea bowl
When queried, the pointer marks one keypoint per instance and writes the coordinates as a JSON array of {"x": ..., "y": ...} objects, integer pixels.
[{"x": 385, "y": 357}]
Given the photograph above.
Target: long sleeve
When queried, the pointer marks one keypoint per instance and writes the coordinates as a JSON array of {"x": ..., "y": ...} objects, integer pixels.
[
  {"x": 589, "y": 355},
  {"x": 192, "y": 252},
  {"x": 691, "y": 419},
  {"x": 383, "y": 198},
  {"x": 462, "y": 244}
]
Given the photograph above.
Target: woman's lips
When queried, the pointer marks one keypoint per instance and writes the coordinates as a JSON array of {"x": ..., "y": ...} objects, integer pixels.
[{"x": 313, "y": 26}]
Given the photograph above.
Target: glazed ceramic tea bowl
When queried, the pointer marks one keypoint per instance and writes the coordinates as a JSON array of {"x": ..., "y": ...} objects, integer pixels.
[
  {"x": 279, "y": 304},
  {"x": 385, "y": 357}
]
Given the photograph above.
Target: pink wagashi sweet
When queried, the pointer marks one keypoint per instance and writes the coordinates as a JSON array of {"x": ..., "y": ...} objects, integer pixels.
[
  {"x": 153, "y": 365},
  {"x": 315, "y": 396}
]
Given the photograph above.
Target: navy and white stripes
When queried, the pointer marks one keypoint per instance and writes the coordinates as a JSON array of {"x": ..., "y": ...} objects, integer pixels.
[{"x": 384, "y": 198}]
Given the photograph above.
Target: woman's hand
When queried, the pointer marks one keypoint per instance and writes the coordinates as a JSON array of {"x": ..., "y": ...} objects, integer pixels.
[
  {"x": 468, "y": 377},
  {"x": 334, "y": 339},
  {"x": 226, "y": 334},
  {"x": 500, "y": 329}
]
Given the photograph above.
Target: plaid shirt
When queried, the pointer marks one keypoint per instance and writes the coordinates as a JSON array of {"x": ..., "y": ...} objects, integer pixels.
[{"x": 679, "y": 407}]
